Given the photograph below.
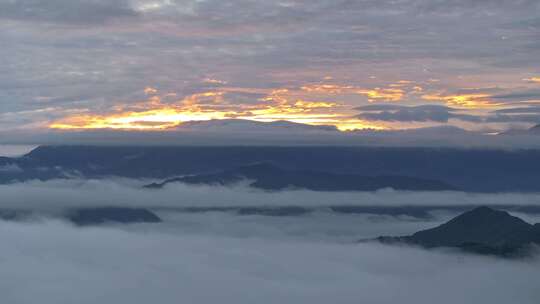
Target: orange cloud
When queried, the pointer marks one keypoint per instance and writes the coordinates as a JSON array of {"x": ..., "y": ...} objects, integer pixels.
[
  {"x": 383, "y": 94},
  {"x": 400, "y": 83},
  {"x": 155, "y": 115},
  {"x": 476, "y": 100},
  {"x": 533, "y": 79},
  {"x": 327, "y": 88},
  {"x": 314, "y": 105},
  {"x": 148, "y": 120}
]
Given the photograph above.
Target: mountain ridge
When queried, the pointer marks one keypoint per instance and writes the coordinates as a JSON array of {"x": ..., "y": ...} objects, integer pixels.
[
  {"x": 267, "y": 176},
  {"x": 471, "y": 170},
  {"x": 481, "y": 230},
  {"x": 251, "y": 126}
]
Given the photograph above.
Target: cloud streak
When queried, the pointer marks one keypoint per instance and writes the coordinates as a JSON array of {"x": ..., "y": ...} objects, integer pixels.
[{"x": 415, "y": 113}]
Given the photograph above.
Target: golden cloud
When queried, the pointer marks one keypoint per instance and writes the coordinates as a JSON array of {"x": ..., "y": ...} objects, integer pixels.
[
  {"x": 383, "y": 94},
  {"x": 473, "y": 100},
  {"x": 152, "y": 114},
  {"x": 327, "y": 88},
  {"x": 533, "y": 79}
]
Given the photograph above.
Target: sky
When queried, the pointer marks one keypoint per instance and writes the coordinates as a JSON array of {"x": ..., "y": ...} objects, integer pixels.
[{"x": 366, "y": 64}]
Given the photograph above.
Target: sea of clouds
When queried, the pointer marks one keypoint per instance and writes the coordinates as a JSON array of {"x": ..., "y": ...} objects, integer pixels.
[
  {"x": 53, "y": 262},
  {"x": 223, "y": 257}
]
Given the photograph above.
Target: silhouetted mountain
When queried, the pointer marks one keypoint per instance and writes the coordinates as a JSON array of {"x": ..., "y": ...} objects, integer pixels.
[
  {"x": 482, "y": 230},
  {"x": 95, "y": 216},
  {"x": 474, "y": 170},
  {"x": 269, "y": 177},
  {"x": 250, "y": 126}
]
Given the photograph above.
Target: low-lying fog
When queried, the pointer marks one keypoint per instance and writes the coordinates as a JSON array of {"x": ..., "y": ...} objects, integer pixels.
[
  {"x": 221, "y": 256},
  {"x": 125, "y": 192},
  {"x": 15, "y": 150}
]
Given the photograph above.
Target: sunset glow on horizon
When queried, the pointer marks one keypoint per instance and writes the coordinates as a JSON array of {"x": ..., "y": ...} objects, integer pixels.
[
  {"x": 320, "y": 103},
  {"x": 166, "y": 119},
  {"x": 313, "y": 104}
]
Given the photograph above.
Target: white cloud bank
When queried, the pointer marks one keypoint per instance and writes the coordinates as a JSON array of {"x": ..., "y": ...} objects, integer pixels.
[
  {"x": 220, "y": 257},
  {"x": 55, "y": 263},
  {"x": 124, "y": 192}
]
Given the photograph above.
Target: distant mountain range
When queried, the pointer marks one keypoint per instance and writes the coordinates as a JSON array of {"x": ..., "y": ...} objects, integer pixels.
[
  {"x": 250, "y": 126},
  {"x": 474, "y": 170},
  {"x": 270, "y": 177},
  {"x": 482, "y": 230}
]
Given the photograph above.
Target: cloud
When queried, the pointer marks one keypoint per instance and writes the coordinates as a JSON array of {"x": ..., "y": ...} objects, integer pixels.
[
  {"x": 14, "y": 150},
  {"x": 519, "y": 110},
  {"x": 57, "y": 58},
  {"x": 520, "y": 95},
  {"x": 533, "y": 79},
  {"x": 220, "y": 256},
  {"x": 383, "y": 94},
  {"x": 421, "y": 113},
  {"x": 51, "y": 262},
  {"x": 443, "y": 114},
  {"x": 530, "y": 114},
  {"x": 60, "y": 194},
  {"x": 471, "y": 100},
  {"x": 528, "y": 118},
  {"x": 437, "y": 136},
  {"x": 66, "y": 11}
]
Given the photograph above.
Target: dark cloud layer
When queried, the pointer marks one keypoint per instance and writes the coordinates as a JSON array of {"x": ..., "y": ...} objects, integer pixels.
[
  {"x": 442, "y": 114},
  {"x": 415, "y": 113}
]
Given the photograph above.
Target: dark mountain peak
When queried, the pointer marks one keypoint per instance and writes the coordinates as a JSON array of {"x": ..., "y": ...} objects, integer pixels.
[
  {"x": 480, "y": 225},
  {"x": 481, "y": 230},
  {"x": 484, "y": 216},
  {"x": 482, "y": 212}
]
